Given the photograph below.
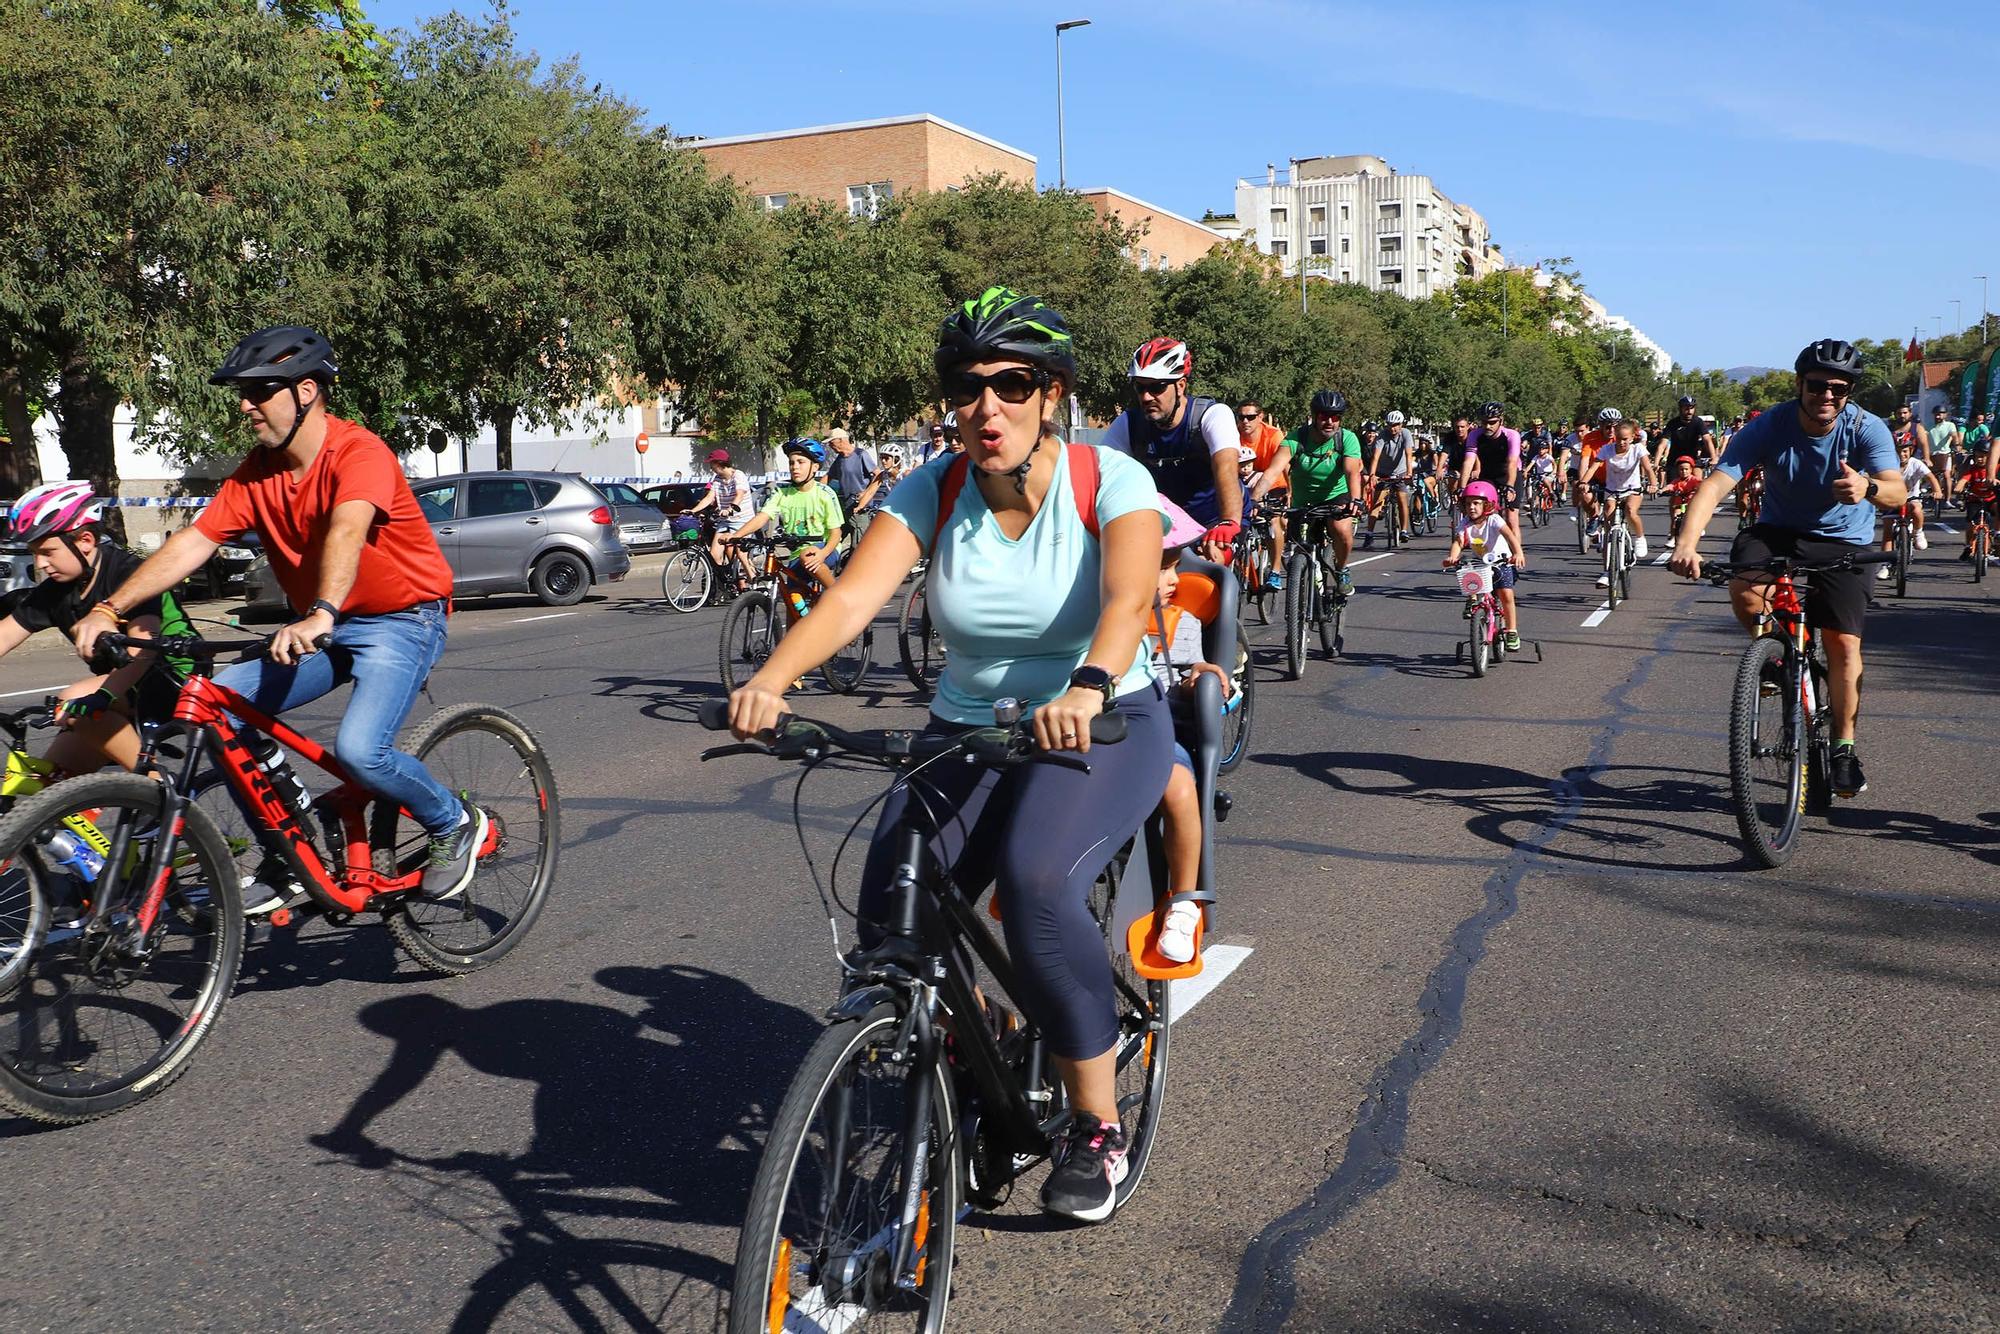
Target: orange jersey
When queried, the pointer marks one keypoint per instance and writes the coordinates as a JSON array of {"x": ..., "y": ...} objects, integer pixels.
[{"x": 1265, "y": 441}]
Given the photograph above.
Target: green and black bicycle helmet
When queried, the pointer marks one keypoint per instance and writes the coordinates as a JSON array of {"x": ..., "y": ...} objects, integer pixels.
[{"x": 1002, "y": 323}]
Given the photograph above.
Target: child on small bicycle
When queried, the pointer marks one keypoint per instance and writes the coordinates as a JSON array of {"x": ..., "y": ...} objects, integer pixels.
[
  {"x": 1686, "y": 481},
  {"x": 1480, "y": 528},
  {"x": 61, "y": 524},
  {"x": 1179, "y": 634},
  {"x": 1626, "y": 472},
  {"x": 1915, "y": 473},
  {"x": 808, "y": 509}
]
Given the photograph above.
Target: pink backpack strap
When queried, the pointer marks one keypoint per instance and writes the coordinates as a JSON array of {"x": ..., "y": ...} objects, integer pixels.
[{"x": 1083, "y": 477}]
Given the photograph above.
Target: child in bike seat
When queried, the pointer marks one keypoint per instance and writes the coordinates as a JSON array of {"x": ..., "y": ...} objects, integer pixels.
[
  {"x": 1186, "y": 603},
  {"x": 61, "y": 523}
]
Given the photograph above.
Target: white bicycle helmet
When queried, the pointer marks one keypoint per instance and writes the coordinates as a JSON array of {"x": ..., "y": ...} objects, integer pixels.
[
  {"x": 1161, "y": 359},
  {"x": 1610, "y": 417}
]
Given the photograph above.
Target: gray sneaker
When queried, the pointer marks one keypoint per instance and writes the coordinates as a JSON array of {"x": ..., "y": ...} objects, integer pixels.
[
  {"x": 454, "y": 857},
  {"x": 271, "y": 888}
]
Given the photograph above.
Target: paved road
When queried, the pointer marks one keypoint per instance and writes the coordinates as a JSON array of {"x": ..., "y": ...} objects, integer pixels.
[{"x": 1518, "y": 1041}]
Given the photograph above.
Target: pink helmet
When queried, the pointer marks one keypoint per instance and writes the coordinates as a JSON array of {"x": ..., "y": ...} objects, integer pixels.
[
  {"x": 54, "y": 508},
  {"x": 1182, "y": 529},
  {"x": 1482, "y": 491}
]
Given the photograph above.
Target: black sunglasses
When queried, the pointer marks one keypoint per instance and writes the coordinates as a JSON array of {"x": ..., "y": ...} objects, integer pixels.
[
  {"x": 1837, "y": 388},
  {"x": 1153, "y": 388},
  {"x": 962, "y": 388},
  {"x": 261, "y": 392},
  {"x": 1246, "y": 416}
]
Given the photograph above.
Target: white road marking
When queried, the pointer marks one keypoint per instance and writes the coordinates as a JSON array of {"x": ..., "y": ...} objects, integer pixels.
[
  {"x": 545, "y": 616},
  {"x": 1663, "y": 558},
  {"x": 1217, "y": 963},
  {"x": 1365, "y": 559},
  {"x": 1596, "y": 618},
  {"x": 1943, "y": 527},
  {"x": 38, "y": 690}
]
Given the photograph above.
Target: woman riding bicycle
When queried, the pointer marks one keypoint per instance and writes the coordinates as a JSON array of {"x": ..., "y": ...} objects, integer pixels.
[{"x": 1041, "y": 584}]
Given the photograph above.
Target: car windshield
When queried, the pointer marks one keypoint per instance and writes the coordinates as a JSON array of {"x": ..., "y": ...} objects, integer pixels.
[{"x": 619, "y": 494}]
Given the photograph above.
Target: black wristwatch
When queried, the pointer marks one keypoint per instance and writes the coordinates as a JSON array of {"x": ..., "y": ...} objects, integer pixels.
[
  {"x": 1873, "y": 487},
  {"x": 321, "y": 604},
  {"x": 1091, "y": 677}
]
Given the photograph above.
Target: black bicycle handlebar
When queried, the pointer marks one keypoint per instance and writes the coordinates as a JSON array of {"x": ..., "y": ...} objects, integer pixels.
[
  {"x": 795, "y": 737},
  {"x": 17, "y": 723},
  {"x": 110, "y": 645},
  {"x": 1720, "y": 573}
]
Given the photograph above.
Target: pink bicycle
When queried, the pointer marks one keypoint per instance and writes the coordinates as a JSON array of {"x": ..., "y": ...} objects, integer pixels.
[{"x": 1484, "y": 632}]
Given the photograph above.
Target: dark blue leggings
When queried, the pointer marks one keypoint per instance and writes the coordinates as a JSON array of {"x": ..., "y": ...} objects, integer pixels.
[{"x": 1040, "y": 834}]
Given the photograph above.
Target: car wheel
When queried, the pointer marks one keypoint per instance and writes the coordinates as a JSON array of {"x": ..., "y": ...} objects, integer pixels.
[{"x": 559, "y": 579}]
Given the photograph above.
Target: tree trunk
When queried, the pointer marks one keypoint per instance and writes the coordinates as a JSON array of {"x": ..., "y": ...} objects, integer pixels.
[
  {"x": 21, "y": 461},
  {"x": 503, "y": 437},
  {"x": 86, "y": 406}
]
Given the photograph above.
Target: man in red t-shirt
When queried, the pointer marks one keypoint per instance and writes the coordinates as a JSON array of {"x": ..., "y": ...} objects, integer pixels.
[{"x": 363, "y": 573}]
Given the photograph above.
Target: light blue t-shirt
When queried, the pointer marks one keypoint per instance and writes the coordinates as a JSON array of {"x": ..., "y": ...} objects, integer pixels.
[
  {"x": 1017, "y": 617},
  {"x": 1800, "y": 470}
]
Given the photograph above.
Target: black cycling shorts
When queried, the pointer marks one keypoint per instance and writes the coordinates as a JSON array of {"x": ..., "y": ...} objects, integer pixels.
[{"x": 1835, "y": 599}]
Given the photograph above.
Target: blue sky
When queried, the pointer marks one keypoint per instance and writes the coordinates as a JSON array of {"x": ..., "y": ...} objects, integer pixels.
[{"x": 1736, "y": 179}]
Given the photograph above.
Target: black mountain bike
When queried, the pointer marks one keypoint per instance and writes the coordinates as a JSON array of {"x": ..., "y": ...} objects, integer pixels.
[
  {"x": 1312, "y": 592},
  {"x": 1780, "y": 752},
  {"x": 918, "y": 1098}
]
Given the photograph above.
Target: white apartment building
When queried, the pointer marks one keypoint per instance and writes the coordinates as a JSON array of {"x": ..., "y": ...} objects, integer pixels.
[
  {"x": 1356, "y": 219},
  {"x": 1598, "y": 317}
]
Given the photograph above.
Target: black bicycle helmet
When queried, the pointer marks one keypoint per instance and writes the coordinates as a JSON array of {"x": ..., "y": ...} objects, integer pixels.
[
  {"x": 1367, "y": 426},
  {"x": 1002, "y": 323},
  {"x": 285, "y": 352},
  {"x": 1330, "y": 401},
  {"x": 1687, "y": 401},
  {"x": 1489, "y": 409},
  {"x": 1829, "y": 354}
]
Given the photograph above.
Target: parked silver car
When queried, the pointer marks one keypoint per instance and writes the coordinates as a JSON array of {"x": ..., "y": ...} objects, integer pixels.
[
  {"x": 548, "y": 533},
  {"x": 641, "y": 526}
]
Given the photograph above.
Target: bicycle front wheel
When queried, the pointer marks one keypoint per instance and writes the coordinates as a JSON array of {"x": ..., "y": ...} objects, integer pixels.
[
  {"x": 1767, "y": 753},
  {"x": 1477, "y": 640},
  {"x": 1236, "y": 722},
  {"x": 1614, "y": 564},
  {"x": 818, "y": 1247},
  {"x": 749, "y": 633},
  {"x": 1982, "y": 548},
  {"x": 101, "y": 1016},
  {"x": 490, "y": 759},
  {"x": 917, "y": 641},
  {"x": 1902, "y": 564},
  {"x": 1298, "y": 597},
  {"x": 688, "y": 580},
  {"x": 24, "y": 920},
  {"x": 1582, "y": 530},
  {"x": 849, "y": 663}
]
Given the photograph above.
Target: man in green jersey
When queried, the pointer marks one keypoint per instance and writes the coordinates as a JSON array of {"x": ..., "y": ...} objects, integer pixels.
[
  {"x": 805, "y": 508},
  {"x": 1326, "y": 466},
  {"x": 1978, "y": 438},
  {"x": 1946, "y": 441}
]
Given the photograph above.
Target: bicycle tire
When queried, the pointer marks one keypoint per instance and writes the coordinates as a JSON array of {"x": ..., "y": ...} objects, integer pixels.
[
  {"x": 1298, "y": 590},
  {"x": 1982, "y": 547},
  {"x": 763, "y": 1245},
  {"x": 1332, "y": 608},
  {"x": 1145, "y": 1038},
  {"x": 1236, "y": 723},
  {"x": 1260, "y": 570},
  {"x": 1626, "y": 565},
  {"x": 1902, "y": 563},
  {"x": 171, "y": 999},
  {"x": 1582, "y": 530},
  {"x": 1614, "y": 561},
  {"x": 918, "y": 643},
  {"x": 516, "y": 787},
  {"x": 24, "y": 920},
  {"x": 844, "y": 671},
  {"x": 1476, "y": 640},
  {"x": 1769, "y": 804},
  {"x": 749, "y": 633},
  {"x": 687, "y": 580}
]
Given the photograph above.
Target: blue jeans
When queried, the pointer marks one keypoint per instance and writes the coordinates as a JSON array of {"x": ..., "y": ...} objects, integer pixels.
[{"x": 387, "y": 658}]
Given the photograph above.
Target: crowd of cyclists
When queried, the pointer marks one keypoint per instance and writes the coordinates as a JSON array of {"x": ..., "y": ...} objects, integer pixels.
[{"x": 1049, "y": 564}]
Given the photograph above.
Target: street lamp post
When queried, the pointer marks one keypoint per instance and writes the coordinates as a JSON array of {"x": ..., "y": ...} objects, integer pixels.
[
  {"x": 1062, "y": 155},
  {"x": 1958, "y": 314},
  {"x": 1982, "y": 307}
]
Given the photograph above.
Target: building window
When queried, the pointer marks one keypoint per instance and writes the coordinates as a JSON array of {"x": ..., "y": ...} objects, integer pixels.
[
  {"x": 1145, "y": 258},
  {"x": 1318, "y": 245},
  {"x": 1316, "y": 217},
  {"x": 1279, "y": 248},
  {"x": 1280, "y": 219},
  {"x": 1423, "y": 210},
  {"x": 1165, "y": 264},
  {"x": 865, "y": 201},
  {"x": 1346, "y": 244},
  {"x": 1390, "y": 245},
  {"x": 1390, "y": 210},
  {"x": 1392, "y": 277},
  {"x": 772, "y": 203},
  {"x": 1343, "y": 213},
  {"x": 1347, "y": 275}
]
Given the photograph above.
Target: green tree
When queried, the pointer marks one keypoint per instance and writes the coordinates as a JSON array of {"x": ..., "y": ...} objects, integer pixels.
[
  {"x": 161, "y": 174},
  {"x": 1241, "y": 321},
  {"x": 1053, "y": 245}
]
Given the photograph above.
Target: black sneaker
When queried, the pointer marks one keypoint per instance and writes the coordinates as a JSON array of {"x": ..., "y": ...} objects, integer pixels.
[
  {"x": 1089, "y": 1164},
  {"x": 1846, "y": 778},
  {"x": 271, "y": 888},
  {"x": 454, "y": 857}
]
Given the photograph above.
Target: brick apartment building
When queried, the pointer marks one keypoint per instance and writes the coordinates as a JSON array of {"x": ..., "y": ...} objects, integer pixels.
[
  {"x": 860, "y": 164},
  {"x": 1171, "y": 241}
]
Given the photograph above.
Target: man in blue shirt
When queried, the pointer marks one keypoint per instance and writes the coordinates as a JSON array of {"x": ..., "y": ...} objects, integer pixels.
[{"x": 1829, "y": 468}]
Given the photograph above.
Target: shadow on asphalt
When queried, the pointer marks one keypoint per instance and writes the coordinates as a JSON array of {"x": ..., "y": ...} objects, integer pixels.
[{"x": 655, "y": 1118}]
